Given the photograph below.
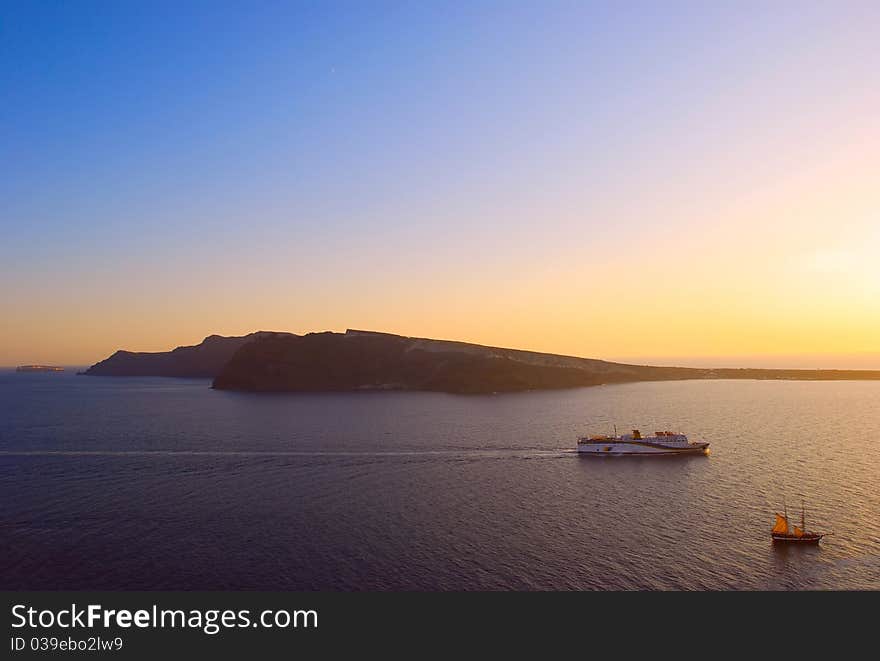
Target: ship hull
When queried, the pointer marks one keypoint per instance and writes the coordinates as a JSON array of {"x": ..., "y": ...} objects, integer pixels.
[
  {"x": 645, "y": 449},
  {"x": 808, "y": 538}
]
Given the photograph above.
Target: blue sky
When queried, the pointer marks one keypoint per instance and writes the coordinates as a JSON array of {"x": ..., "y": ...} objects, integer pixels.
[{"x": 180, "y": 169}]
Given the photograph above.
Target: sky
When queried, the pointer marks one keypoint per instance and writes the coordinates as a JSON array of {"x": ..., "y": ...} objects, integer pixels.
[{"x": 654, "y": 182}]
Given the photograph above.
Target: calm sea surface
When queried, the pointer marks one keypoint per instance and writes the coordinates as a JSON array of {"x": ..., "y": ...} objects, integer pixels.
[{"x": 118, "y": 483}]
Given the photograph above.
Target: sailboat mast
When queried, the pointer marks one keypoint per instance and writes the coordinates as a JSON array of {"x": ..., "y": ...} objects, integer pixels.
[{"x": 803, "y": 517}]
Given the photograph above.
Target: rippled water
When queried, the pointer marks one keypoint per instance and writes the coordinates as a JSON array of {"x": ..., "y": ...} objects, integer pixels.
[{"x": 162, "y": 483}]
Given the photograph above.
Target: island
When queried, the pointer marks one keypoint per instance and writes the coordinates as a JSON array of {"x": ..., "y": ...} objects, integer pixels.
[
  {"x": 369, "y": 360},
  {"x": 203, "y": 360},
  {"x": 39, "y": 368},
  {"x": 360, "y": 360}
]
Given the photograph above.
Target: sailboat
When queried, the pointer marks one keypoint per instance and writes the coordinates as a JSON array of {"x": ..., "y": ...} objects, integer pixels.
[{"x": 782, "y": 534}]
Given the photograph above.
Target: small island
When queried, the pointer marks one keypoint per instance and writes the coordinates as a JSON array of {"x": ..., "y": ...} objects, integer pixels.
[{"x": 39, "y": 368}]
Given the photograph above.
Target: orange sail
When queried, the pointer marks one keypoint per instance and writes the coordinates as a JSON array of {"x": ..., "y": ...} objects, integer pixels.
[
  {"x": 781, "y": 524},
  {"x": 798, "y": 532}
]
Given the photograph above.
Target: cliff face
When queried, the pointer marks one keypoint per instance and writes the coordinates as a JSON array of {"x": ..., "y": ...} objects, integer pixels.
[
  {"x": 359, "y": 360},
  {"x": 204, "y": 360}
]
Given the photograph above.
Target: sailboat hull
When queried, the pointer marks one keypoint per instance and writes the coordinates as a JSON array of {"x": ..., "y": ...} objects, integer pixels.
[{"x": 806, "y": 538}]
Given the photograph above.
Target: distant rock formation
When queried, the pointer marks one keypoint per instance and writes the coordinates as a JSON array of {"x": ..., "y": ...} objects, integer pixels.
[
  {"x": 365, "y": 360},
  {"x": 368, "y": 360},
  {"x": 204, "y": 360},
  {"x": 39, "y": 368}
]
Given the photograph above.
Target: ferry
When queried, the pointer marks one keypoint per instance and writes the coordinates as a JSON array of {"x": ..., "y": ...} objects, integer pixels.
[{"x": 661, "y": 443}]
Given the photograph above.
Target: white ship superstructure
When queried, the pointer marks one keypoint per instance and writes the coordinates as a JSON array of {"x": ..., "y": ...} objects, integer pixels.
[{"x": 662, "y": 442}]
